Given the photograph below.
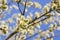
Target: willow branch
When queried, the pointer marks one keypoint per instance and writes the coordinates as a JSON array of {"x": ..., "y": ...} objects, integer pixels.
[
  {"x": 40, "y": 16},
  {"x": 38, "y": 21},
  {"x": 27, "y": 28},
  {"x": 38, "y": 32},
  {"x": 29, "y": 24}
]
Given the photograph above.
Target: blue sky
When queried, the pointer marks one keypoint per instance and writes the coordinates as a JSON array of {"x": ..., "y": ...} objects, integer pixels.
[{"x": 42, "y": 2}]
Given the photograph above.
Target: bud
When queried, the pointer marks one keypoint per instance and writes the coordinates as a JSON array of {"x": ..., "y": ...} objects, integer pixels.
[
  {"x": 37, "y": 14},
  {"x": 37, "y": 5}
]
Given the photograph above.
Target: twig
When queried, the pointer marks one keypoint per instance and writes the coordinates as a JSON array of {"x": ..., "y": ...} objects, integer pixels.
[
  {"x": 24, "y": 8},
  {"x": 40, "y": 16},
  {"x": 19, "y": 8},
  {"x": 11, "y": 35},
  {"x": 37, "y": 22}
]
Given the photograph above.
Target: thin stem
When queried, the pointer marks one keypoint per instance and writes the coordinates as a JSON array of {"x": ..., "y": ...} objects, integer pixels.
[
  {"x": 24, "y": 8},
  {"x": 19, "y": 8}
]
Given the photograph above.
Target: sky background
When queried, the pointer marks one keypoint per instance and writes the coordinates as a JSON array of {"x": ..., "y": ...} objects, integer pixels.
[{"x": 42, "y": 2}]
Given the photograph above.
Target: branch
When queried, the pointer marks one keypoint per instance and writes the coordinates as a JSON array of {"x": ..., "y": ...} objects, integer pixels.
[
  {"x": 29, "y": 24},
  {"x": 38, "y": 21},
  {"x": 38, "y": 32},
  {"x": 11, "y": 35},
  {"x": 40, "y": 16},
  {"x": 24, "y": 8}
]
